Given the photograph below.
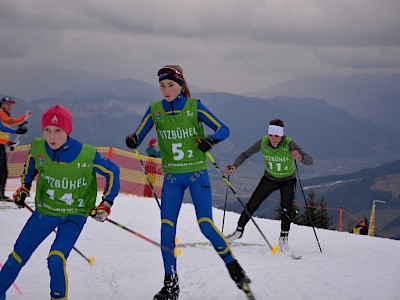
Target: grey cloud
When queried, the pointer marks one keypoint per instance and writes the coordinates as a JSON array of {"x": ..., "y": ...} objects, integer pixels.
[
  {"x": 260, "y": 42},
  {"x": 361, "y": 57}
]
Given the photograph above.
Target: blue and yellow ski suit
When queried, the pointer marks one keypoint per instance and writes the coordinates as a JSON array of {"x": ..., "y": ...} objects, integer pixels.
[
  {"x": 69, "y": 226},
  {"x": 198, "y": 182}
]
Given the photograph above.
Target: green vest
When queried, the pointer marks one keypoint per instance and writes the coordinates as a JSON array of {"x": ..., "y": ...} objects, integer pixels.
[
  {"x": 64, "y": 189},
  {"x": 278, "y": 161},
  {"x": 177, "y": 138}
]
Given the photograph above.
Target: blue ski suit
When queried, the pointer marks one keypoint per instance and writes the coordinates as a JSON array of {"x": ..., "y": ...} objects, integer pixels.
[
  {"x": 40, "y": 225},
  {"x": 174, "y": 186}
]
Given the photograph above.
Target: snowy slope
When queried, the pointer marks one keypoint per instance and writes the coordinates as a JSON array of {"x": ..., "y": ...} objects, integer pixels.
[{"x": 129, "y": 268}]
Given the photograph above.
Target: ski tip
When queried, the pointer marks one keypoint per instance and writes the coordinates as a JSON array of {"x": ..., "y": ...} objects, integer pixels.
[
  {"x": 177, "y": 251},
  {"x": 275, "y": 249},
  {"x": 91, "y": 260}
]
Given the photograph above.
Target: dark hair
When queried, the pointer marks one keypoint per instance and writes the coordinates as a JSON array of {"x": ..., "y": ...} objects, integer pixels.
[
  {"x": 277, "y": 122},
  {"x": 185, "y": 88}
]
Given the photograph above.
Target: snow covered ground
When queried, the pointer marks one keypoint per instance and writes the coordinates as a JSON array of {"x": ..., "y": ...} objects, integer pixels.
[{"x": 127, "y": 267}]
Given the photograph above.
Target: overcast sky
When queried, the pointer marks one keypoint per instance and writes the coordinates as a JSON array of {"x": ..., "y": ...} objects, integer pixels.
[{"x": 224, "y": 45}]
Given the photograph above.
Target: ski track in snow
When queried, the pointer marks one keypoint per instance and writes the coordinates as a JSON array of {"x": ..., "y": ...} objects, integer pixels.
[{"x": 127, "y": 267}]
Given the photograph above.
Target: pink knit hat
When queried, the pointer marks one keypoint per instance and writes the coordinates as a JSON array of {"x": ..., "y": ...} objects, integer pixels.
[
  {"x": 152, "y": 141},
  {"x": 58, "y": 116}
]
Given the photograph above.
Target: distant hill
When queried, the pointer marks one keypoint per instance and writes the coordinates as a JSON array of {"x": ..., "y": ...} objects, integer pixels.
[
  {"x": 35, "y": 83},
  {"x": 354, "y": 192},
  {"x": 340, "y": 144},
  {"x": 372, "y": 96},
  {"x": 72, "y": 84},
  {"x": 338, "y": 141}
]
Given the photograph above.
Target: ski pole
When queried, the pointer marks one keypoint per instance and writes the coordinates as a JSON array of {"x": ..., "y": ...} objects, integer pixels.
[
  {"x": 226, "y": 198},
  {"x": 176, "y": 252},
  {"x": 12, "y": 148},
  {"x": 91, "y": 260},
  {"x": 139, "y": 157},
  {"x": 275, "y": 248},
  {"x": 305, "y": 201},
  {"x": 14, "y": 284}
]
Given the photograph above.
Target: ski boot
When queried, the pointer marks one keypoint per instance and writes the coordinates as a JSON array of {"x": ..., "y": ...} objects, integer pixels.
[
  {"x": 3, "y": 197},
  {"x": 170, "y": 290},
  {"x": 284, "y": 241},
  {"x": 6, "y": 199},
  {"x": 237, "y": 234},
  {"x": 240, "y": 278}
]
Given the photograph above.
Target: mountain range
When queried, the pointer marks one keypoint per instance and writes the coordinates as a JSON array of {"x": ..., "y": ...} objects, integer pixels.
[
  {"x": 372, "y": 96},
  {"x": 354, "y": 192},
  {"x": 339, "y": 134},
  {"x": 338, "y": 141}
]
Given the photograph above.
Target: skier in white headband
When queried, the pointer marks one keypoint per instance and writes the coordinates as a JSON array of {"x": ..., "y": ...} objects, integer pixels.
[{"x": 279, "y": 152}]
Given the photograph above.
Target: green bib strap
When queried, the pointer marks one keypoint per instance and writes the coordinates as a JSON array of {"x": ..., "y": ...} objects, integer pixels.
[
  {"x": 177, "y": 138},
  {"x": 64, "y": 188},
  {"x": 278, "y": 161}
]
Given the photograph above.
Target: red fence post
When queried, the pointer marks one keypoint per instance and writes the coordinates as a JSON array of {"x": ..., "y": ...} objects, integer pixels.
[{"x": 110, "y": 150}]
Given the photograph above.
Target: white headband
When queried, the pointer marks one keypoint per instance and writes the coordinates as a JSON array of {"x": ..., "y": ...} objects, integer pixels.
[{"x": 275, "y": 130}]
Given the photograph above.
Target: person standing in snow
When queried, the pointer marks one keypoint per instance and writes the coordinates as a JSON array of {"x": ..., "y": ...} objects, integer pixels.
[
  {"x": 66, "y": 192},
  {"x": 5, "y": 122},
  {"x": 279, "y": 152},
  {"x": 361, "y": 227},
  {"x": 151, "y": 149},
  {"x": 179, "y": 122},
  {"x": 151, "y": 166}
]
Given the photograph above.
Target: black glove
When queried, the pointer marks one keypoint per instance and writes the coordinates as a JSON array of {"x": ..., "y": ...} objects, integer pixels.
[
  {"x": 131, "y": 141},
  {"x": 207, "y": 143},
  {"x": 22, "y": 130},
  {"x": 20, "y": 196}
]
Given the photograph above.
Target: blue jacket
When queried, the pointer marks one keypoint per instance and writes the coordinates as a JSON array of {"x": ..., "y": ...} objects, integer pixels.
[
  {"x": 176, "y": 106},
  {"x": 68, "y": 153},
  {"x": 152, "y": 152},
  {"x": 5, "y": 133},
  {"x": 6, "y": 129}
]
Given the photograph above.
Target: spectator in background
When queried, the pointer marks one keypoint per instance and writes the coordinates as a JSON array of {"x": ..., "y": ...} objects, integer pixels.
[
  {"x": 151, "y": 166},
  {"x": 361, "y": 227},
  {"x": 151, "y": 149},
  {"x": 5, "y": 112},
  {"x": 5, "y": 122}
]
